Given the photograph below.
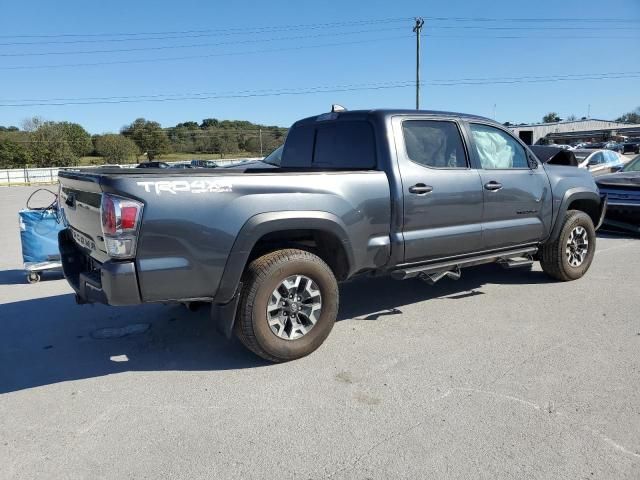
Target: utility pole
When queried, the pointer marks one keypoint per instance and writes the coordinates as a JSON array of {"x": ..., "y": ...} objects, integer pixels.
[
  {"x": 261, "y": 142},
  {"x": 417, "y": 29}
]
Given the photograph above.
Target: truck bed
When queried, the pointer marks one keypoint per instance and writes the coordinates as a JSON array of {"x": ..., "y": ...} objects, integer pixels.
[{"x": 193, "y": 218}]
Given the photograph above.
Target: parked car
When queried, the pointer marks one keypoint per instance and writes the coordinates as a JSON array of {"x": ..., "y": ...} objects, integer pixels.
[
  {"x": 623, "y": 193},
  {"x": 615, "y": 146},
  {"x": 412, "y": 194},
  {"x": 554, "y": 155},
  {"x": 153, "y": 165},
  {"x": 203, "y": 164},
  {"x": 599, "y": 162},
  {"x": 632, "y": 145}
]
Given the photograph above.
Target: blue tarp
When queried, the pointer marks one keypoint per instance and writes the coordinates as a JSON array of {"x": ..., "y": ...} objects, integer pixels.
[{"x": 39, "y": 235}]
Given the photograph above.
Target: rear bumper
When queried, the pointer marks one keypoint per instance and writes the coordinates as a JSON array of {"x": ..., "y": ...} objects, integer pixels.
[{"x": 111, "y": 283}]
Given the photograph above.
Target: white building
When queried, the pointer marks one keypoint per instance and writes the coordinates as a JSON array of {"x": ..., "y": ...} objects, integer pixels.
[{"x": 575, "y": 130}]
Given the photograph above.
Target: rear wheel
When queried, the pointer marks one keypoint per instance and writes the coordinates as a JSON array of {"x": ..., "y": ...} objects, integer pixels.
[
  {"x": 570, "y": 255},
  {"x": 288, "y": 305}
]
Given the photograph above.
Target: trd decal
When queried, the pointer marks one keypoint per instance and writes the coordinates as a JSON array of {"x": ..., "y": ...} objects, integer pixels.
[{"x": 180, "y": 186}]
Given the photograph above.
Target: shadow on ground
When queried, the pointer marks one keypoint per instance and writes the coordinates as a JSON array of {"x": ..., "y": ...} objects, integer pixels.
[{"x": 49, "y": 340}]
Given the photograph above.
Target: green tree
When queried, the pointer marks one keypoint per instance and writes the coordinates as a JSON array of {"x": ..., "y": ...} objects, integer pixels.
[
  {"x": 49, "y": 146},
  {"x": 228, "y": 144},
  {"x": 630, "y": 117},
  {"x": 78, "y": 138},
  {"x": 148, "y": 136},
  {"x": 115, "y": 148},
  {"x": 209, "y": 122},
  {"x": 551, "y": 117},
  {"x": 13, "y": 154}
]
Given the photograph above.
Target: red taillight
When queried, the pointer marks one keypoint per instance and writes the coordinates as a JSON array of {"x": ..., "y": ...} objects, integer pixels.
[
  {"x": 128, "y": 216},
  {"x": 120, "y": 222},
  {"x": 108, "y": 215}
]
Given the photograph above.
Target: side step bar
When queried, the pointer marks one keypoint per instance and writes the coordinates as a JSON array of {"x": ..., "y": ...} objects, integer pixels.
[{"x": 434, "y": 269}]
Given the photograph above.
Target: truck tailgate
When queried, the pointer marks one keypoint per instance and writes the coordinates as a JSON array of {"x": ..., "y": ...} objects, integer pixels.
[{"x": 80, "y": 197}]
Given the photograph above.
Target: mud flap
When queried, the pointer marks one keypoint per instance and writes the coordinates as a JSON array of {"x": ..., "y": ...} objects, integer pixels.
[{"x": 225, "y": 314}]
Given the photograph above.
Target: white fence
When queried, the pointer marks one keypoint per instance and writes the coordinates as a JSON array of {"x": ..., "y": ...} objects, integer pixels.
[{"x": 43, "y": 176}]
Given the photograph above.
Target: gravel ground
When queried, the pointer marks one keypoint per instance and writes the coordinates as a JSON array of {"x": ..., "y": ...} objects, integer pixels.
[{"x": 502, "y": 374}]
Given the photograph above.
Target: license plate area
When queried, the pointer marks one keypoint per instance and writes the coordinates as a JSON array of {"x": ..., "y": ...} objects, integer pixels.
[{"x": 83, "y": 240}]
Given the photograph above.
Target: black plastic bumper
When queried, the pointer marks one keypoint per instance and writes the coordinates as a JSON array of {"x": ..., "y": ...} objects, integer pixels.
[{"x": 112, "y": 283}]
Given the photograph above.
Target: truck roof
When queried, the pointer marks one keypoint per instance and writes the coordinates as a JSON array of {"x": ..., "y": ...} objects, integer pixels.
[{"x": 384, "y": 113}]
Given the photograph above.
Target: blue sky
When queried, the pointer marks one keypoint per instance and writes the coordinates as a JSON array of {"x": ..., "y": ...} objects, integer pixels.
[{"x": 286, "y": 56}]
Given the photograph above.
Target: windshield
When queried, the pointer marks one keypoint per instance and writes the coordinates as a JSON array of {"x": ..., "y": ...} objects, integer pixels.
[
  {"x": 633, "y": 166},
  {"x": 275, "y": 157}
]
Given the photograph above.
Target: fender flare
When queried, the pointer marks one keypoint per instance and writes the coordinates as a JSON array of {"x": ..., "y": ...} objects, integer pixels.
[
  {"x": 263, "y": 223},
  {"x": 572, "y": 194}
]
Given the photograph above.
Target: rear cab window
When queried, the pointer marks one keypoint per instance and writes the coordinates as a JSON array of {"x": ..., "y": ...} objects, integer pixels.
[{"x": 336, "y": 144}]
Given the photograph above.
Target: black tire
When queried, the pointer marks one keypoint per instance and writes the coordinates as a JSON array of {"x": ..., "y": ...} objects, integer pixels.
[
  {"x": 260, "y": 279},
  {"x": 553, "y": 256}
]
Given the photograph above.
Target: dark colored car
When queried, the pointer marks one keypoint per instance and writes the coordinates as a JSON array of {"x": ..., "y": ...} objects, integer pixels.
[
  {"x": 623, "y": 192},
  {"x": 153, "y": 165},
  {"x": 411, "y": 194},
  {"x": 203, "y": 164},
  {"x": 631, "y": 146},
  {"x": 615, "y": 146}
]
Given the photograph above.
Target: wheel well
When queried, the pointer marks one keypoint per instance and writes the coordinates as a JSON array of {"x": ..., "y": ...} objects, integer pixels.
[
  {"x": 589, "y": 207},
  {"x": 324, "y": 244}
]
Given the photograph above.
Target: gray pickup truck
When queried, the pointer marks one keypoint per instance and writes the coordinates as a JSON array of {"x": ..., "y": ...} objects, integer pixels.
[{"x": 413, "y": 194}]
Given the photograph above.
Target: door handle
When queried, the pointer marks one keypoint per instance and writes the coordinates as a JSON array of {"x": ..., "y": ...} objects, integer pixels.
[
  {"x": 421, "y": 189},
  {"x": 493, "y": 186}
]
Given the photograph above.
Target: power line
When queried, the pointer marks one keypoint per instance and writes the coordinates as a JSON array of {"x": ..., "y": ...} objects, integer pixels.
[
  {"x": 197, "y": 45},
  {"x": 332, "y": 89},
  {"x": 252, "y": 52},
  {"x": 616, "y": 21},
  {"x": 275, "y": 90},
  {"x": 296, "y": 28},
  {"x": 271, "y": 28},
  {"x": 191, "y": 57}
]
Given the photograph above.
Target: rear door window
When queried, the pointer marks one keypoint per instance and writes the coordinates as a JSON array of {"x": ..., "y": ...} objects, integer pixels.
[{"x": 434, "y": 143}]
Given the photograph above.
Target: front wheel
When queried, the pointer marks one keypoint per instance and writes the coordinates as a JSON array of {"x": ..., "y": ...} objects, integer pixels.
[
  {"x": 288, "y": 305},
  {"x": 570, "y": 255}
]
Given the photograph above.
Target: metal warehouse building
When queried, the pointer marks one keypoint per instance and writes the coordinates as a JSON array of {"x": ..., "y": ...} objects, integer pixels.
[{"x": 573, "y": 131}]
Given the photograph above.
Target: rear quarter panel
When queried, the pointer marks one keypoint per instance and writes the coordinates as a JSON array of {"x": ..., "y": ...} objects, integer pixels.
[{"x": 188, "y": 232}]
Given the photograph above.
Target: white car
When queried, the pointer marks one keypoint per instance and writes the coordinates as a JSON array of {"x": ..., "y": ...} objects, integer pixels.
[{"x": 599, "y": 162}]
